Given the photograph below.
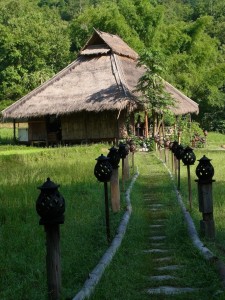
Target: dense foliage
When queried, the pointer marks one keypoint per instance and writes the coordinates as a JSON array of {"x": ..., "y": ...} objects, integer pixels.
[{"x": 40, "y": 37}]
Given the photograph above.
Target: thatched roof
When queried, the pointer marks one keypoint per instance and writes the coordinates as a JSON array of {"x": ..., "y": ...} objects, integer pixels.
[{"x": 103, "y": 77}]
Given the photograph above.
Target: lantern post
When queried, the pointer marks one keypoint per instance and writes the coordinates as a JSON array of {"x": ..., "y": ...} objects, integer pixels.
[
  {"x": 50, "y": 206},
  {"x": 156, "y": 139},
  {"x": 123, "y": 151},
  {"x": 114, "y": 159},
  {"x": 179, "y": 136},
  {"x": 132, "y": 150},
  {"x": 189, "y": 159},
  {"x": 126, "y": 162},
  {"x": 205, "y": 172},
  {"x": 179, "y": 154},
  {"x": 172, "y": 162},
  {"x": 160, "y": 146},
  {"x": 173, "y": 149},
  {"x": 166, "y": 149},
  {"x": 103, "y": 172}
]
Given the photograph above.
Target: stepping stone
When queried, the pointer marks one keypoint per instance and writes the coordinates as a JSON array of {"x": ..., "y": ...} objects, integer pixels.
[
  {"x": 168, "y": 268},
  {"x": 158, "y": 238},
  {"x": 157, "y": 225},
  {"x": 154, "y": 208},
  {"x": 156, "y": 205},
  {"x": 157, "y": 244},
  {"x": 160, "y": 220},
  {"x": 156, "y": 251},
  {"x": 162, "y": 277},
  {"x": 161, "y": 259},
  {"x": 169, "y": 290}
]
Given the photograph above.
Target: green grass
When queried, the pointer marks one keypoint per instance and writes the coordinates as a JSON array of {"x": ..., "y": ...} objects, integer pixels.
[
  {"x": 6, "y": 134},
  {"x": 83, "y": 236},
  {"x": 214, "y": 140},
  {"x": 127, "y": 277}
]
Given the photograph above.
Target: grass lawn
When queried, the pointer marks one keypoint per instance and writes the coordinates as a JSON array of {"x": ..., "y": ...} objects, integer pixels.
[{"x": 83, "y": 236}]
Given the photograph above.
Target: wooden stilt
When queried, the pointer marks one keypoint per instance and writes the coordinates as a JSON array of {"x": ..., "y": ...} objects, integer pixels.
[
  {"x": 107, "y": 211},
  {"x": 115, "y": 190},
  {"x": 53, "y": 261}
]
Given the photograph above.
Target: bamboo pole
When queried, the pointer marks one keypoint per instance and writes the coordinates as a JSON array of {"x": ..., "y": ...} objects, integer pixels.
[
  {"x": 115, "y": 190},
  {"x": 189, "y": 186},
  {"x": 53, "y": 261},
  {"x": 126, "y": 168},
  {"x": 123, "y": 179},
  {"x": 178, "y": 179},
  {"x": 107, "y": 211}
]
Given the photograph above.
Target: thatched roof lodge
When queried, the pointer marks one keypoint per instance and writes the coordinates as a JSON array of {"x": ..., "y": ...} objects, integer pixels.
[{"x": 90, "y": 99}]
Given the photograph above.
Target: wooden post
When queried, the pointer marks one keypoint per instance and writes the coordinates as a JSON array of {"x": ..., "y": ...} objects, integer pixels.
[
  {"x": 126, "y": 168},
  {"x": 189, "y": 186},
  {"x": 205, "y": 172},
  {"x": 175, "y": 166},
  {"x": 160, "y": 150},
  {"x": 172, "y": 161},
  {"x": 166, "y": 155},
  {"x": 50, "y": 205},
  {"x": 207, "y": 225},
  {"x": 133, "y": 162},
  {"x": 107, "y": 211},
  {"x": 53, "y": 261},
  {"x": 14, "y": 130},
  {"x": 178, "y": 178},
  {"x": 115, "y": 190},
  {"x": 123, "y": 179}
]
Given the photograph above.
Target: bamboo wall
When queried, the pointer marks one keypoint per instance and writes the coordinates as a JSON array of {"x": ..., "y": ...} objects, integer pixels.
[
  {"x": 92, "y": 126},
  {"x": 83, "y": 126},
  {"x": 37, "y": 130}
]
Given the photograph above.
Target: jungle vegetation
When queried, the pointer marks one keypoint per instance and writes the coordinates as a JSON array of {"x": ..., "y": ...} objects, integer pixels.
[{"x": 40, "y": 37}]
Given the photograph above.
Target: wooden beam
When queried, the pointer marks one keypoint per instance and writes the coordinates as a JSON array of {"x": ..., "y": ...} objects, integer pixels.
[{"x": 14, "y": 130}]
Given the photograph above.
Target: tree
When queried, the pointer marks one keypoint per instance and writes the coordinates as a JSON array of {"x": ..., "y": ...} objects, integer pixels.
[
  {"x": 34, "y": 44},
  {"x": 152, "y": 86},
  {"x": 106, "y": 17}
]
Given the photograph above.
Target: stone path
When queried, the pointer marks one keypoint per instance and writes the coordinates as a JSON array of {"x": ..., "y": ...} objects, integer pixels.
[{"x": 164, "y": 281}]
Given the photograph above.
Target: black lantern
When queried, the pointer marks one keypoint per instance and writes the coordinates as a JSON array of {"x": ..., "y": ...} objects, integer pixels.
[
  {"x": 114, "y": 157},
  {"x": 188, "y": 156},
  {"x": 179, "y": 152},
  {"x": 205, "y": 170},
  {"x": 103, "y": 169},
  {"x": 174, "y": 146},
  {"x": 123, "y": 150},
  {"x": 50, "y": 205}
]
